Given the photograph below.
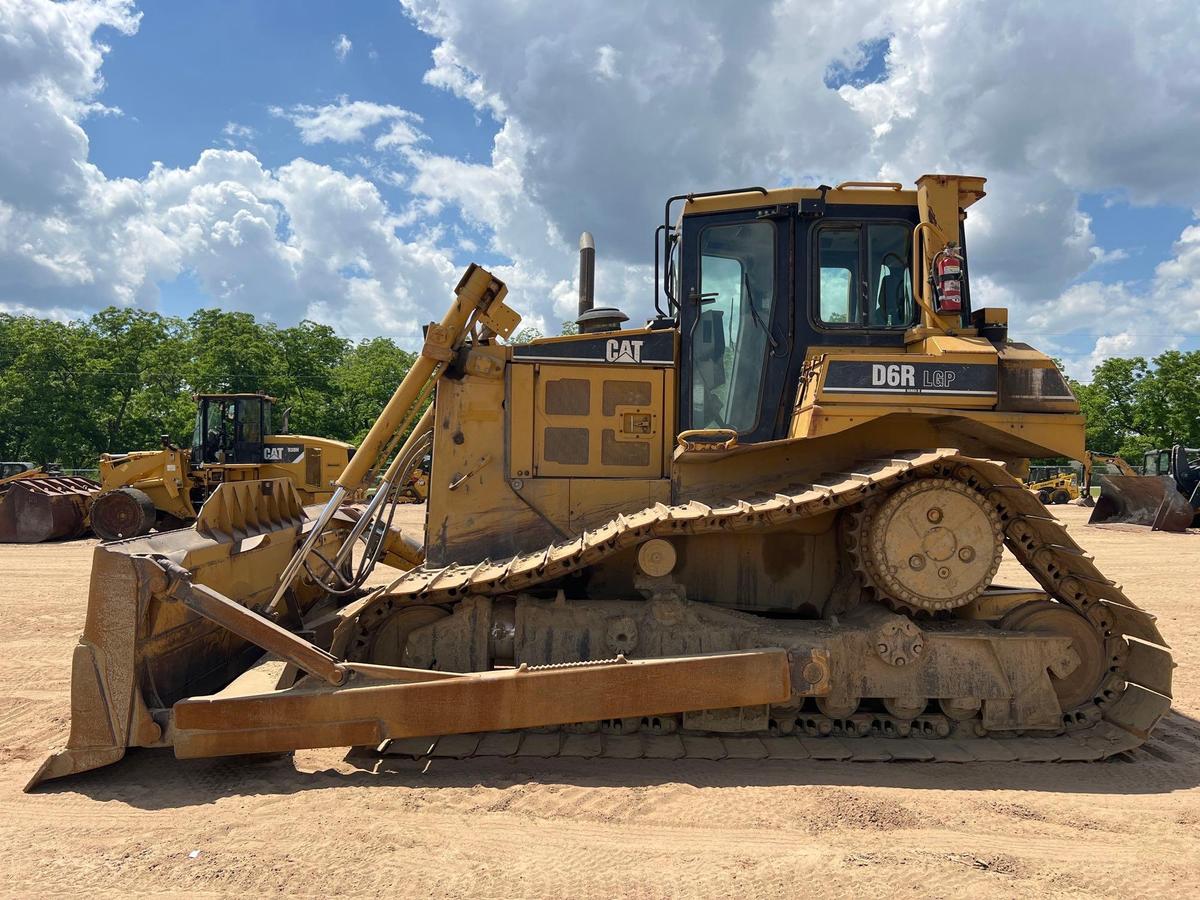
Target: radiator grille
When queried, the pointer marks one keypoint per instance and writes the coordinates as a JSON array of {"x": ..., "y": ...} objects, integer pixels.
[
  {"x": 569, "y": 397},
  {"x": 1031, "y": 389},
  {"x": 622, "y": 453},
  {"x": 568, "y": 446},
  {"x": 625, "y": 393}
]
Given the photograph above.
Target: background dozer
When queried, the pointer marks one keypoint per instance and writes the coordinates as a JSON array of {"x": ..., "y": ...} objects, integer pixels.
[
  {"x": 773, "y": 516},
  {"x": 1062, "y": 487},
  {"x": 1166, "y": 496},
  {"x": 234, "y": 441}
]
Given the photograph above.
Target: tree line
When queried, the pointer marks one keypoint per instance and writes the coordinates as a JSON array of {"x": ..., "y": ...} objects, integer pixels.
[
  {"x": 122, "y": 378},
  {"x": 1134, "y": 404}
]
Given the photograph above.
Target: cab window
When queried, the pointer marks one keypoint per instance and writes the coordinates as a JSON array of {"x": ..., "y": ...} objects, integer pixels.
[
  {"x": 864, "y": 278},
  {"x": 214, "y": 436},
  {"x": 732, "y": 334},
  {"x": 251, "y": 422}
]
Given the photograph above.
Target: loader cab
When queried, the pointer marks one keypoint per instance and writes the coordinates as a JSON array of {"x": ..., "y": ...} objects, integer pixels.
[
  {"x": 1180, "y": 463},
  {"x": 755, "y": 283},
  {"x": 231, "y": 429}
]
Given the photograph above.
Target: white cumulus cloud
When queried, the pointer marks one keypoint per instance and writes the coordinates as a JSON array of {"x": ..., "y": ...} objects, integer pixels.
[
  {"x": 347, "y": 121},
  {"x": 611, "y": 107},
  {"x": 601, "y": 110},
  {"x": 341, "y": 47},
  {"x": 299, "y": 240}
]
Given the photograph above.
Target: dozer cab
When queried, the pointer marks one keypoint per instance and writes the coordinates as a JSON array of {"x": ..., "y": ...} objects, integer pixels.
[
  {"x": 234, "y": 440},
  {"x": 1166, "y": 496},
  {"x": 772, "y": 516}
]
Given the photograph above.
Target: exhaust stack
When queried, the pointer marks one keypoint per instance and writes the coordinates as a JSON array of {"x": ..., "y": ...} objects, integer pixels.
[
  {"x": 587, "y": 273},
  {"x": 593, "y": 319}
]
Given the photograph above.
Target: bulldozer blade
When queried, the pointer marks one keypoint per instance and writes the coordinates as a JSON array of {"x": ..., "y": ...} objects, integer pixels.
[
  {"x": 1141, "y": 500},
  {"x": 142, "y": 650},
  {"x": 45, "y": 508}
]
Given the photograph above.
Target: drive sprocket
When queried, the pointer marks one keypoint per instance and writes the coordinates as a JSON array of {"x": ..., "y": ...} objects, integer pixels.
[{"x": 931, "y": 546}]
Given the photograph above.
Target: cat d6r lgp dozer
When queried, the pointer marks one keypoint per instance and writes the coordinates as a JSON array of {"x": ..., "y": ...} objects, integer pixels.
[{"x": 773, "y": 516}]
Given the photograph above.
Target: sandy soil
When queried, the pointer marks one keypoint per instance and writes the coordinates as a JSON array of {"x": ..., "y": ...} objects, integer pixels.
[{"x": 327, "y": 822}]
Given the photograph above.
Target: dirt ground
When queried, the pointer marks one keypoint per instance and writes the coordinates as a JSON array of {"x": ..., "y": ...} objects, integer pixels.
[{"x": 332, "y": 823}]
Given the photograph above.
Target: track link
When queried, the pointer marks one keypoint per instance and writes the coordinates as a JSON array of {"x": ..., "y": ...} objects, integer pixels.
[{"x": 1133, "y": 696}]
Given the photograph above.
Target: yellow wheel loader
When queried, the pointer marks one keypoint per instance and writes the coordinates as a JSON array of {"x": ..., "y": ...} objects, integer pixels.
[
  {"x": 768, "y": 523},
  {"x": 234, "y": 441}
]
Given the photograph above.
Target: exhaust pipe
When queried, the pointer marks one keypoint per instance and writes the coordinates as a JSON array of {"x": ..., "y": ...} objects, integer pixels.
[
  {"x": 587, "y": 273},
  {"x": 592, "y": 320}
]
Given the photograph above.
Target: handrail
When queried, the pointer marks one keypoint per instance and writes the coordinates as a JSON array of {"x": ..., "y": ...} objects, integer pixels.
[
  {"x": 918, "y": 270},
  {"x": 688, "y": 439},
  {"x": 889, "y": 185}
]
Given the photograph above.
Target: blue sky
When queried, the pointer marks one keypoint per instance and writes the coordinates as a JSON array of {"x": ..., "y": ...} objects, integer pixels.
[
  {"x": 343, "y": 161},
  {"x": 193, "y": 67}
]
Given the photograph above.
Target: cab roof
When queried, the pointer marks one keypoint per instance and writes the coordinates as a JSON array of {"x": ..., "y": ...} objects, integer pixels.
[{"x": 857, "y": 193}]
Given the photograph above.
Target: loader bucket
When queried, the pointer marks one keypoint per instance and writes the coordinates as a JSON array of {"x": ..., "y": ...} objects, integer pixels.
[
  {"x": 1141, "y": 500},
  {"x": 140, "y": 652},
  {"x": 45, "y": 508}
]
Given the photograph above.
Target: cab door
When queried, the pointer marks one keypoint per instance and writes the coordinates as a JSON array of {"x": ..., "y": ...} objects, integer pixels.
[{"x": 736, "y": 322}]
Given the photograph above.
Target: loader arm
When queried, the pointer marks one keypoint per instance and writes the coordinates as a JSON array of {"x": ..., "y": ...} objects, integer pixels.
[{"x": 1090, "y": 459}]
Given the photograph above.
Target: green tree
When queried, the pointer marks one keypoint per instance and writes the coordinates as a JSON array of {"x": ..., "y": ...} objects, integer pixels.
[
  {"x": 137, "y": 378},
  {"x": 48, "y": 406},
  {"x": 232, "y": 353},
  {"x": 1168, "y": 400},
  {"x": 124, "y": 377},
  {"x": 364, "y": 382},
  {"x": 312, "y": 355},
  {"x": 1110, "y": 405}
]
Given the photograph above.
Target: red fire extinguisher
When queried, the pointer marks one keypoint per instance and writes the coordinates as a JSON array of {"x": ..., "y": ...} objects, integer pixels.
[{"x": 947, "y": 279}]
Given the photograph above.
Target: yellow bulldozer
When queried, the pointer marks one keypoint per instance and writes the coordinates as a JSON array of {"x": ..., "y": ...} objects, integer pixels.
[
  {"x": 1062, "y": 487},
  {"x": 769, "y": 522},
  {"x": 234, "y": 440}
]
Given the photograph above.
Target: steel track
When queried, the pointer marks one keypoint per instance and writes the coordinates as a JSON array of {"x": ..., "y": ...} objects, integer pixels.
[{"x": 1132, "y": 697}]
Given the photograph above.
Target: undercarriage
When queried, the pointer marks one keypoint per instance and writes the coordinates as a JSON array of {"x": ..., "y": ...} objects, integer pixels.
[{"x": 909, "y": 651}]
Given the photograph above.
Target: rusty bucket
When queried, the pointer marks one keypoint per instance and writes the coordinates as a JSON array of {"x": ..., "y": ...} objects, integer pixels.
[
  {"x": 45, "y": 508},
  {"x": 1150, "y": 500}
]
